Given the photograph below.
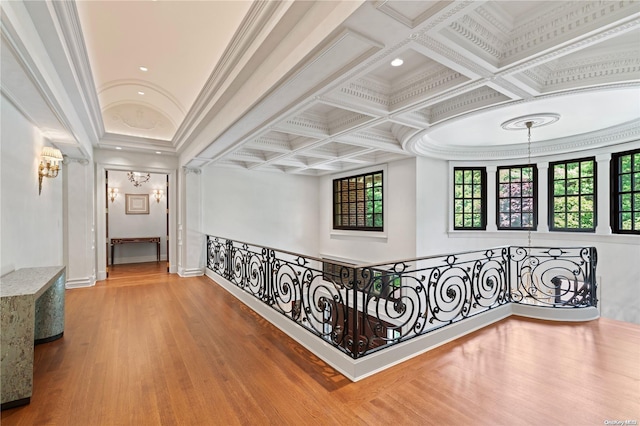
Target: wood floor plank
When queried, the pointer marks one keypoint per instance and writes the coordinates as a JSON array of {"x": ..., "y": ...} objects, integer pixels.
[{"x": 149, "y": 348}]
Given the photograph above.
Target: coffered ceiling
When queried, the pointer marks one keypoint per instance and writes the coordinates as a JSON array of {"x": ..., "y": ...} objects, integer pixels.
[{"x": 308, "y": 87}]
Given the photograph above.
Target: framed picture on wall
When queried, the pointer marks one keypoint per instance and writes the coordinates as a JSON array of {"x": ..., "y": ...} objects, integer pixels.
[{"x": 137, "y": 203}]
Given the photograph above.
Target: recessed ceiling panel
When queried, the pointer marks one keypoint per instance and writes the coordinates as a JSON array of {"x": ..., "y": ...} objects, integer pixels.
[
  {"x": 138, "y": 120},
  {"x": 579, "y": 113}
]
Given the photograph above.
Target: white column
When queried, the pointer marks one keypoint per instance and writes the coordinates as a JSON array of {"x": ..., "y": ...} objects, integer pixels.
[
  {"x": 79, "y": 226},
  {"x": 543, "y": 197},
  {"x": 603, "y": 162},
  {"x": 191, "y": 240},
  {"x": 491, "y": 199}
]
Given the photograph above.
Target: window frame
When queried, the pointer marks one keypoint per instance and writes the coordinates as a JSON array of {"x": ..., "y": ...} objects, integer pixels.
[
  {"x": 483, "y": 199},
  {"x": 335, "y": 202},
  {"x": 534, "y": 211},
  {"x": 616, "y": 192},
  {"x": 551, "y": 195}
]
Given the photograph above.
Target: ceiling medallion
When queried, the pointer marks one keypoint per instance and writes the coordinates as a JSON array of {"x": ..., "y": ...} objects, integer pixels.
[
  {"x": 137, "y": 178},
  {"x": 536, "y": 120}
]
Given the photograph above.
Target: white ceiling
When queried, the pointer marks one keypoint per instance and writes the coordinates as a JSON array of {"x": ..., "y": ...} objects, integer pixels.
[
  {"x": 307, "y": 87},
  {"x": 179, "y": 42}
]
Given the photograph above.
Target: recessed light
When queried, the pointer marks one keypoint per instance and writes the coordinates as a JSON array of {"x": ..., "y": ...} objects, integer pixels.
[
  {"x": 140, "y": 93},
  {"x": 158, "y": 152},
  {"x": 145, "y": 69},
  {"x": 117, "y": 147},
  {"x": 397, "y": 62}
]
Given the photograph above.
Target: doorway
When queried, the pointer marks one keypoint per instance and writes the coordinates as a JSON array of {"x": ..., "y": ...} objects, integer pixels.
[{"x": 136, "y": 224}]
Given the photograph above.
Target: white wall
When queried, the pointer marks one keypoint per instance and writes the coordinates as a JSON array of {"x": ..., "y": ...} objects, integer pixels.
[
  {"x": 122, "y": 225},
  {"x": 272, "y": 209},
  {"x": 397, "y": 241},
  {"x": 31, "y": 232}
]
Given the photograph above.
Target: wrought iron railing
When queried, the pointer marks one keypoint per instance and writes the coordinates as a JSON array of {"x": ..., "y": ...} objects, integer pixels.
[{"x": 361, "y": 309}]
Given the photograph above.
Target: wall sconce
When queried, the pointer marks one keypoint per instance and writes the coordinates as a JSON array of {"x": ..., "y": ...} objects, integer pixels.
[
  {"x": 157, "y": 194},
  {"x": 113, "y": 193},
  {"x": 49, "y": 166}
]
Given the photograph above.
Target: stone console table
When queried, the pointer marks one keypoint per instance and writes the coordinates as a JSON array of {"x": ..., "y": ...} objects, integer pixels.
[{"x": 31, "y": 312}]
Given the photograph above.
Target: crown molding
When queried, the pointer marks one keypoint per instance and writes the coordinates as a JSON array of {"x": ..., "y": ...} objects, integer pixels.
[
  {"x": 23, "y": 55},
  {"x": 261, "y": 15},
  {"x": 66, "y": 15}
]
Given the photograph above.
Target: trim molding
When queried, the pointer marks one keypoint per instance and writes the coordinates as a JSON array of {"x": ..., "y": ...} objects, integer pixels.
[
  {"x": 80, "y": 282},
  {"x": 190, "y": 272}
]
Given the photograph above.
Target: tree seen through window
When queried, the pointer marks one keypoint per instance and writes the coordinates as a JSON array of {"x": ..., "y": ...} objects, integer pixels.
[
  {"x": 573, "y": 195},
  {"x": 469, "y": 198},
  {"x": 626, "y": 192}
]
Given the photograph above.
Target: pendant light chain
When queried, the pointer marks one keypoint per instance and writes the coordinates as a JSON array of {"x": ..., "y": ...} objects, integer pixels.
[{"x": 529, "y": 124}]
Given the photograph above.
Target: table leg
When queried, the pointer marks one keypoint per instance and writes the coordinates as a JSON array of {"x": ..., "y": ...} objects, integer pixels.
[{"x": 112, "y": 245}]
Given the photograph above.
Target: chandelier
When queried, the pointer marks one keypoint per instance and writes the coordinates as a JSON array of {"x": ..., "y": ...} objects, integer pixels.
[{"x": 138, "y": 178}]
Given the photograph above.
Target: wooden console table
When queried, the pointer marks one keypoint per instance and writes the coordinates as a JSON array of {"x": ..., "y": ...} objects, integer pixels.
[
  {"x": 156, "y": 240},
  {"x": 32, "y": 304}
]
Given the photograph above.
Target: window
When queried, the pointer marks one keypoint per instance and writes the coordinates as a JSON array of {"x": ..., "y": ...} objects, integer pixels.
[
  {"x": 357, "y": 202},
  {"x": 516, "y": 197},
  {"x": 572, "y": 190},
  {"x": 625, "y": 192},
  {"x": 469, "y": 198}
]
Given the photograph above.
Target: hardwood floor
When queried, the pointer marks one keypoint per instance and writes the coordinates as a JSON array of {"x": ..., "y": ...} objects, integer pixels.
[{"x": 150, "y": 348}]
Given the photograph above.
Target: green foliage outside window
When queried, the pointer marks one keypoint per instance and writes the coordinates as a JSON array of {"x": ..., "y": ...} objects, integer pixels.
[
  {"x": 626, "y": 192},
  {"x": 573, "y": 195},
  {"x": 469, "y": 199}
]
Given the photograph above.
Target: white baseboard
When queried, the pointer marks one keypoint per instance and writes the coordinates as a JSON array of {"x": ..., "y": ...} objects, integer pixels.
[
  {"x": 190, "y": 272},
  {"x": 80, "y": 282},
  {"x": 556, "y": 314}
]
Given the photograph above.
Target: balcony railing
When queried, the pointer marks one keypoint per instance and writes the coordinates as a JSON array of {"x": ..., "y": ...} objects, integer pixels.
[{"x": 362, "y": 309}]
